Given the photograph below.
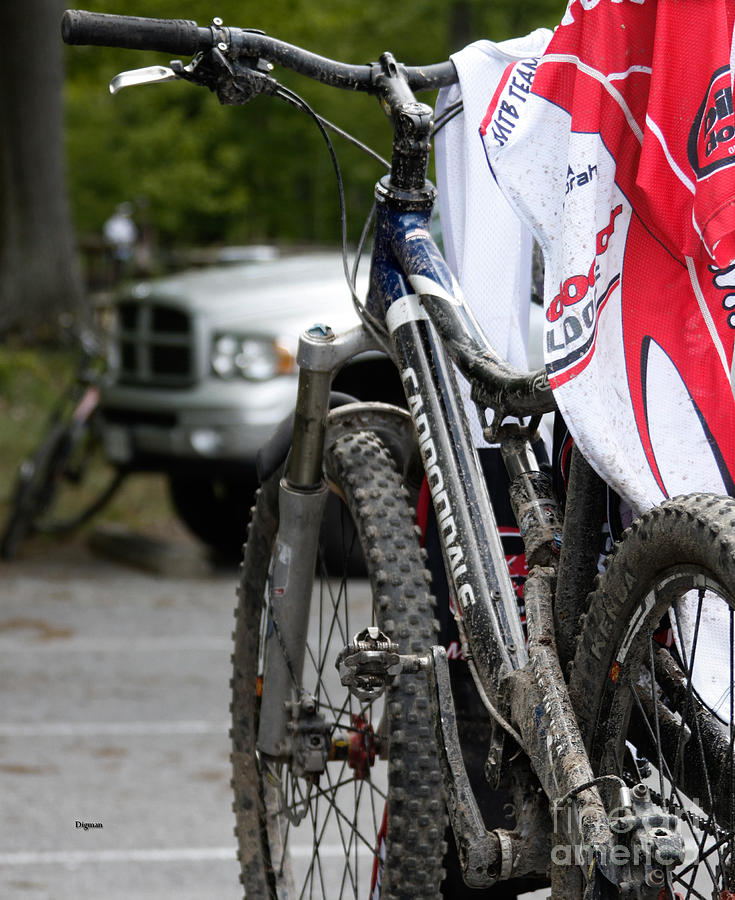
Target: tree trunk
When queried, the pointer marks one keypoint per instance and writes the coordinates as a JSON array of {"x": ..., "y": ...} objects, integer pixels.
[{"x": 39, "y": 274}]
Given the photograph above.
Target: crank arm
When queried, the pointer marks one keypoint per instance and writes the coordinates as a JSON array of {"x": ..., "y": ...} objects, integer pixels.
[
  {"x": 367, "y": 665},
  {"x": 483, "y": 855}
]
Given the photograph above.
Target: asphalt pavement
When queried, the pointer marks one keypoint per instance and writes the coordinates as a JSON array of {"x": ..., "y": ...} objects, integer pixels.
[
  {"x": 114, "y": 715},
  {"x": 114, "y": 697}
]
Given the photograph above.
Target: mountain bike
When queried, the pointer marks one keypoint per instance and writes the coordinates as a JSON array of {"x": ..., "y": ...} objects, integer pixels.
[
  {"x": 67, "y": 479},
  {"x": 610, "y": 710}
]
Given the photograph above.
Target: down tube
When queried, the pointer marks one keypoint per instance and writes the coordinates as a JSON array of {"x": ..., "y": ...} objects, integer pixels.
[{"x": 473, "y": 553}]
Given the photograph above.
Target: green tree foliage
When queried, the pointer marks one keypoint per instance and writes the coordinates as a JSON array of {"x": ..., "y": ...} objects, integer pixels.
[{"x": 213, "y": 174}]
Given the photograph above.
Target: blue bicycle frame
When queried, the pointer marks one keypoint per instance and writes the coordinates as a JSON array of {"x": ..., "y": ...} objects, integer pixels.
[
  {"x": 408, "y": 270},
  {"x": 414, "y": 296}
]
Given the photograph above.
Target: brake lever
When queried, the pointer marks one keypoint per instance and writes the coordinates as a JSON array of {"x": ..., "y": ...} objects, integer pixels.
[
  {"x": 234, "y": 81},
  {"x": 147, "y": 75}
]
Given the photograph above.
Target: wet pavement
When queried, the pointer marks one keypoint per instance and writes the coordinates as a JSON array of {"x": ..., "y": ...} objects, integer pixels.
[
  {"x": 114, "y": 697},
  {"x": 114, "y": 708}
]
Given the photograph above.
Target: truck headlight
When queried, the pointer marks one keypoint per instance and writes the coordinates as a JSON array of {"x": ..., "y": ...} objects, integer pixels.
[{"x": 254, "y": 358}]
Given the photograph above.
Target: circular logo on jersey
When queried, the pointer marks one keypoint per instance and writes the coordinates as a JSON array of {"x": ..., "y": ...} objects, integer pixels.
[{"x": 712, "y": 138}]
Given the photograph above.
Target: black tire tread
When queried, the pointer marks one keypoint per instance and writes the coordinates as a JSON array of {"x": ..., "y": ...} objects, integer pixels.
[
  {"x": 364, "y": 473},
  {"x": 696, "y": 529}
]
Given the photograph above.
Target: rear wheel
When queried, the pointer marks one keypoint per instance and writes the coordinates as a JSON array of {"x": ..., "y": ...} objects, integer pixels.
[
  {"x": 31, "y": 492},
  {"x": 653, "y": 678},
  {"x": 66, "y": 482},
  {"x": 372, "y": 823}
]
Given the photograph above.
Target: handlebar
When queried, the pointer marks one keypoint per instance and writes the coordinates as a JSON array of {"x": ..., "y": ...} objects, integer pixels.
[
  {"x": 134, "y": 32},
  {"x": 180, "y": 36},
  {"x": 496, "y": 384}
]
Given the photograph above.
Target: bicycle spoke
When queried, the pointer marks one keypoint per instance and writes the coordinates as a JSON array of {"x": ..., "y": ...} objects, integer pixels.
[
  {"x": 316, "y": 858},
  {"x": 654, "y": 702},
  {"x": 675, "y": 791},
  {"x": 348, "y": 780},
  {"x": 345, "y": 844},
  {"x": 692, "y": 891},
  {"x": 351, "y": 837},
  {"x": 367, "y": 843},
  {"x": 690, "y": 701},
  {"x": 712, "y": 849},
  {"x": 689, "y": 666},
  {"x": 316, "y": 844},
  {"x": 350, "y": 867},
  {"x": 337, "y": 604}
]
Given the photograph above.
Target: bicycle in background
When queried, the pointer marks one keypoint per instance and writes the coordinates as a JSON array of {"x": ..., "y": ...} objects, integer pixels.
[{"x": 66, "y": 480}]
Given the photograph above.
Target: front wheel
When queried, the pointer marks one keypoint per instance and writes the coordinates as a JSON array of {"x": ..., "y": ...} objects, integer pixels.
[
  {"x": 652, "y": 681},
  {"x": 372, "y": 823}
]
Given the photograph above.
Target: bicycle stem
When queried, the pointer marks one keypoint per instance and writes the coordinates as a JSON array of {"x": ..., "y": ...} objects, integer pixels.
[{"x": 412, "y": 122}]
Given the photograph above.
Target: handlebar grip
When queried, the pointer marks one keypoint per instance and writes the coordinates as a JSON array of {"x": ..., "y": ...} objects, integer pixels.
[{"x": 182, "y": 36}]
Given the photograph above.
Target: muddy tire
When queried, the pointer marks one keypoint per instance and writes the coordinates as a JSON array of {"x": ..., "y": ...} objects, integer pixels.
[
  {"x": 349, "y": 835},
  {"x": 653, "y": 676}
]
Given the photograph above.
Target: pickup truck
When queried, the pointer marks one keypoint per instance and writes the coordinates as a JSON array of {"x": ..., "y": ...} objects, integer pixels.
[{"x": 203, "y": 370}]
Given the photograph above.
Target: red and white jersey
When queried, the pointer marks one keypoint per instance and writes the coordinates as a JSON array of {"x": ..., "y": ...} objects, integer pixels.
[
  {"x": 486, "y": 245},
  {"x": 616, "y": 146}
]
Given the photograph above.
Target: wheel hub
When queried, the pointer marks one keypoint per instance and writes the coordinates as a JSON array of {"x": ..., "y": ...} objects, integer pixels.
[{"x": 361, "y": 747}]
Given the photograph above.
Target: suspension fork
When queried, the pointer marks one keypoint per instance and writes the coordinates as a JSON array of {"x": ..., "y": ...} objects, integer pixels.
[{"x": 302, "y": 495}]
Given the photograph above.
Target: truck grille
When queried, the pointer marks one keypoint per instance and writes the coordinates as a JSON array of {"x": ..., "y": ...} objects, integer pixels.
[{"x": 156, "y": 345}]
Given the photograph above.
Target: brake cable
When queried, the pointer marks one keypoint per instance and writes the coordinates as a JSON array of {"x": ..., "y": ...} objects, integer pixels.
[{"x": 256, "y": 79}]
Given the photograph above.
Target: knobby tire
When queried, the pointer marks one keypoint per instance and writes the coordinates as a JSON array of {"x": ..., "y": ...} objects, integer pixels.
[
  {"x": 361, "y": 471},
  {"x": 654, "y": 667}
]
